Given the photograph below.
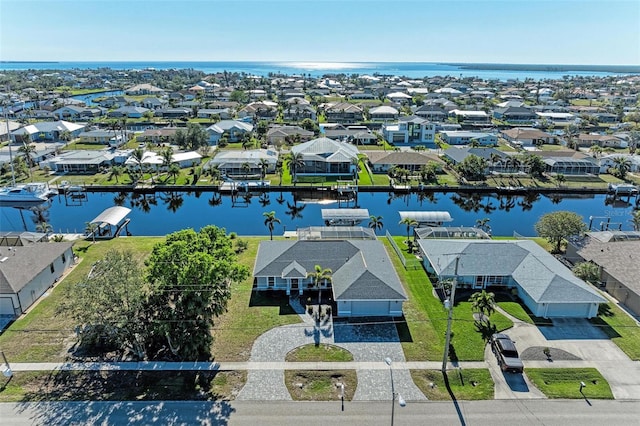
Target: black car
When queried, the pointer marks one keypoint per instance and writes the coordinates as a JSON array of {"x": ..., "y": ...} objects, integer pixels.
[{"x": 506, "y": 352}]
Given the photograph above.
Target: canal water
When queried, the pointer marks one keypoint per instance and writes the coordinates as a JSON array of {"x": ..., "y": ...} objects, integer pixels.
[{"x": 162, "y": 213}]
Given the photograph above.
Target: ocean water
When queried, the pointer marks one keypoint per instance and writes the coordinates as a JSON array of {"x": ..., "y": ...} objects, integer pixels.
[{"x": 318, "y": 69}]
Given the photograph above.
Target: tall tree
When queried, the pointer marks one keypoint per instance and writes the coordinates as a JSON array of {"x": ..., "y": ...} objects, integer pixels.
[
  {"x": 296, "y": 162},
  {"x": 321, "y": 276},
  {"x": 116, "y": 172},
  {"x": 587, "y": 271},
  {"x": 90, "y": 228},
  {"x": 190, "y": 276},
  {"x": 411, "y": 223},
  {"x": 375, "y": 222},
  {"x": 115, "y": 282},
  {"x": 270, "y": 221},
  {"x": 559, "y": 225},
  {"x": 483, "y": 302}
]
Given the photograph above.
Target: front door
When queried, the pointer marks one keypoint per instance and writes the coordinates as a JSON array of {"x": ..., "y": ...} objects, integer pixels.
[
  {"x": 294, "y": 284},
  {"x": 479, "y": 282}
]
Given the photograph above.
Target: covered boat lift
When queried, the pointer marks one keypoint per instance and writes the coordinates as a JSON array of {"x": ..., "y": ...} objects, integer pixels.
[
  {"x": 113, "y": 217},
  {"x": 430, "y": 218},
  {"x": 346, "y": 217}
]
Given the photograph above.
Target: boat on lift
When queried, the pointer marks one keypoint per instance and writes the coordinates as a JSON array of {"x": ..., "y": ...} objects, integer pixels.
[{"x": 27, "y": 193}]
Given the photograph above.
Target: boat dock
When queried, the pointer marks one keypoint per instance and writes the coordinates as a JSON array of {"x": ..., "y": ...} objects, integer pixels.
[{"x": 110, "y": 223}]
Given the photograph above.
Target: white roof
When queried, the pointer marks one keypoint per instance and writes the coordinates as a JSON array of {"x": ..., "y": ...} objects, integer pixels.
[
  {"x": 427, "y": 217},
  {"x": 345, "y": 214},
  {"x": 112, "y": 215}
]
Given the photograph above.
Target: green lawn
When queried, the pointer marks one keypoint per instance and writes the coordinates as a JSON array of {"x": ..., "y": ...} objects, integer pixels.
[
  {"x": 622, "y": 329},
  {"x": 319, "y": 353},
  {"x": 564, "y": 383},
  {"x": 423, "y": 335},
  {"x": 248, "y": 314},
  {"x": 467, "y": 385},
  {"x": 44, "y": 335},
  {"x": 320, "y": 385}
]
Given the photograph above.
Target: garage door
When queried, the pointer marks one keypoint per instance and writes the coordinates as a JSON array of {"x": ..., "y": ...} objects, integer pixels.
[
  {"x": 370, "y": 308},
  {"x": 6, "y": 306},
  {"x": 570, "y": 310}
]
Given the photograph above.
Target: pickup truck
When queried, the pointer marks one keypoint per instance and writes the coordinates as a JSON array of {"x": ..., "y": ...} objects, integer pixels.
[{"x": 506, "y": 353}]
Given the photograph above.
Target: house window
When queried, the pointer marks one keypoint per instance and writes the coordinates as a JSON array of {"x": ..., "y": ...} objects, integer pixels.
[
  {"x": 53, "y": 269},
  {"x": 271, "y": 281}
]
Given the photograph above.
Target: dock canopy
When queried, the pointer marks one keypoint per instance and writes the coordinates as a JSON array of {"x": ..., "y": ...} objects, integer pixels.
[
  {"x": 344, "y": 216},
  {"x": 112, "y": 216},
  {"x": 432, "y": 218},
  {"x": 336, "y": 233}
]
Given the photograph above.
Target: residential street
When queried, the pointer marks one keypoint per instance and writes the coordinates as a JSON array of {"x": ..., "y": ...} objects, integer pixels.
[{"x": 532, "y": 412}]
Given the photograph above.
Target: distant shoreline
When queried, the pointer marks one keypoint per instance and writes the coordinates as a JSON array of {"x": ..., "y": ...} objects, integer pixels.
[{"x": 548, "y": 67}]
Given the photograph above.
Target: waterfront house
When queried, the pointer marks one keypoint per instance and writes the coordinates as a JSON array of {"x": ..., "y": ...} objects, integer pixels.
[
  {"x": 178, "y": 112},
  {"x": 383, "y": 113},
  {"x": 383, "y": 161},
  {"x": 571, "y": 165},
  {"x": 608, "y": 161},
  {"x": 410, "y": 131},
  {"x": 48, "y": 130},
  {"x": 158, "y": 136},
  {"x": 105, "y": 137},
  {"x": 256, "y": 111},
  {"x": 29, "y": 271},
  {"x": 128, "y": 112},
  {"x": 465, "y": 137},
  {"x": 215, "y": 113},
  {"x": 244, "y": 163},
  {"x": 343, "y": 112},
  {"x": 80, "y": 161},
  {"x": 515, "y": 114},
  {"x": 590, "y": 139},
  {"x": 543, "y": 284},
  {"x": 526, "y": 137},
  {"x": 233, "y": 129},
  {"x": 473, "y": 117},
  {"x": 324, "y": 156},
  {"x": 363, "y": 282},
  {"x": 144, "y": 89},
  {"x": 279, "y": 135},
  {"x": 617, "y": 254}
]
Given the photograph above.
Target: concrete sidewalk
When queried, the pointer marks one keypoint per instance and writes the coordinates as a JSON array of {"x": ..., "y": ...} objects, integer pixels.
[{"x": 228, "y": 366}]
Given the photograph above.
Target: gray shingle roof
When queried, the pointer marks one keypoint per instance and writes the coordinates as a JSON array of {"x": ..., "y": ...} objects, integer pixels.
[
  {"x": 24, "y": 263},
  {"x": 537, "y": 272},
  {"x": 361, "y": 269}
]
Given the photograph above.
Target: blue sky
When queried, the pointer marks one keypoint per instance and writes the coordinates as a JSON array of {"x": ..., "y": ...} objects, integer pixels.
[{"x": 507, "y": 31}]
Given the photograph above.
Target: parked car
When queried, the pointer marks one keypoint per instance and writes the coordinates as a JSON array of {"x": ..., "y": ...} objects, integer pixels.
[{"x": 506, "y": 352}]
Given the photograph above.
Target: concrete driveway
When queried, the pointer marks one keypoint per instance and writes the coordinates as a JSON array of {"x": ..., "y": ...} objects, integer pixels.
[
  {"x": 509, "y": 385},
  {"x": 586, "y": 341}
]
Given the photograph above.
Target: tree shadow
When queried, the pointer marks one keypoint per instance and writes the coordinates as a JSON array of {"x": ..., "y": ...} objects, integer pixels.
[
  {"x": 272, "y": 299},
  {"x": 486, "y": 329}
]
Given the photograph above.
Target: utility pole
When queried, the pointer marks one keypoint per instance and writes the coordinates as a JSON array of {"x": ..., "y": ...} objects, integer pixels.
[{"x": 448, "y": 304}]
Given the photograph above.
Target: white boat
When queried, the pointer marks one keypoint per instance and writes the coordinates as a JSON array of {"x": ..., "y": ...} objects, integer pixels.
[{"x": 27, "y": 193}]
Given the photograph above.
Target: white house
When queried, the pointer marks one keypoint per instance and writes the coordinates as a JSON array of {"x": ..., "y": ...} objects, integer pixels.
[
  {"x": 410, "y": 131},
  {"x": 608, "y": 161},
  {"x": 364, "y": 282},
  {"x": 231, "y": 162},
  {"x": 324, "y": 156},
  {"x": 27, "y": 272},
  {"x": 464, "y": 137},
  {"x": 543, "y": 284},
  {"x": 234, "y": 129}
]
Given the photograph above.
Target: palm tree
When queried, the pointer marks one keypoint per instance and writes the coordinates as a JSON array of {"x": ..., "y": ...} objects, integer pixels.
[
  {"x": 483, "y": 303},
  {"x": 44, "y": 227},
  {"x": 596, "y": 150},
  {"x": 27, "y": 149},
  {"x": 320, "y": 277},
  {"x": 410, "y": 222},
  {"x": 270, "y": 221},
  {"x": 116, "y": 172},
  {"x": 296, "y": 161},
  {"x": 560, "y": 179},
  {"x": 483, "y": 223},
  {"x": 375, "y": 222},
  {"x": 90, "y": 228},
  {"x": 246, "y": 168},
  {"x": 621, "y": 167},
  {"x": 174, "y": 171},
  {"x": 264, "y": 166}
]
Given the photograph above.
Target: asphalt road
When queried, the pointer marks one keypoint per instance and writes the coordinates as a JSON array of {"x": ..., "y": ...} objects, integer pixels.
[{"x": 499, "y": 412}]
